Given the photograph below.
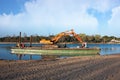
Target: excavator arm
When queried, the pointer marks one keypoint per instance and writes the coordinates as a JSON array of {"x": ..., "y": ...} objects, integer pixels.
[
  {"x": 58, "y": 36},
  {"x": 76, "y": 36},
  {"x": 71, "y": 32}
]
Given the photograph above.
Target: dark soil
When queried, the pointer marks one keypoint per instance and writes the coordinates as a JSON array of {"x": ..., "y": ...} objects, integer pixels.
[{"x": 75, "y": 68}]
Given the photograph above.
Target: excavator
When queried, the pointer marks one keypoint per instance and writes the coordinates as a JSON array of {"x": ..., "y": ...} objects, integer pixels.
[{"x": 54, "y": 40}]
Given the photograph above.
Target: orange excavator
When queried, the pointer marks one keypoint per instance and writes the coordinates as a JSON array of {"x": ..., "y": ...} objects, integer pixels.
[
  {"x": 70, "y": 32},
  {"x": 58, "y": 36}
]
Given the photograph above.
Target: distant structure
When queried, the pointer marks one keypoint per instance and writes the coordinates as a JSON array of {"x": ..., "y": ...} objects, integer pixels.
[{"x": 114, "y": 41}]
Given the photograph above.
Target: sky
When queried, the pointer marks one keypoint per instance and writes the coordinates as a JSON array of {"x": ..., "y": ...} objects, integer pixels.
[{"x": 46, "y": 17}]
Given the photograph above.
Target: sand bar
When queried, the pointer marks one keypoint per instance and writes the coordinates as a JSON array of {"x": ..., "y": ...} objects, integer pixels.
[{"x": 74, "y": 68}]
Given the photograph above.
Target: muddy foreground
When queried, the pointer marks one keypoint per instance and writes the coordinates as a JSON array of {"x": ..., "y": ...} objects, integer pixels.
[{"x": 75, "y": 68}]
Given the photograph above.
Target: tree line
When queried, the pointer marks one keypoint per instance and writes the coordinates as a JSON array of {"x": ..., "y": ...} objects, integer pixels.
[{"x": 37, "y": 38}]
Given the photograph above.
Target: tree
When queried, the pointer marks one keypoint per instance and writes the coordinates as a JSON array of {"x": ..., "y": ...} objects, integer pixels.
[
  {"x": 83, "y": 37},
  {"x": 36, "y": 38},
  {"x": 97, "y": 38},
  {"x": 90, "y": 39},
  {"x": 106, "y": 39}
]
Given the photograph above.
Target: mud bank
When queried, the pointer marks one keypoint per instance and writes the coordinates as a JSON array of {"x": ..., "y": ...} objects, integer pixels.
[{"x": 74, "y": 68}]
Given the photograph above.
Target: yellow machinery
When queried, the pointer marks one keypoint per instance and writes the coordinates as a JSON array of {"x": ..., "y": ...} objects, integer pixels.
[
  {"x": 58, "y": 36},
  {"x": 44, "y": 41}
]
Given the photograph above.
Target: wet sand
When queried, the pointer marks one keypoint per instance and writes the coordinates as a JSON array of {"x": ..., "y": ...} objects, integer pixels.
[{"x": 74, "y": 68}]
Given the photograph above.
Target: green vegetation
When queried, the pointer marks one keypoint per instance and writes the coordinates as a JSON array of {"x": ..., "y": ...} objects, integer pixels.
[{"x": 85, "y": 38}]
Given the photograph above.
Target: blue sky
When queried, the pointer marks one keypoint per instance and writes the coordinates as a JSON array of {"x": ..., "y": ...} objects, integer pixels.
[{"x": 44, "y": 17}]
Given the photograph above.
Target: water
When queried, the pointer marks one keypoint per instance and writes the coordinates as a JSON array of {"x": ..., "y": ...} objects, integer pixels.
[
  {"x": 5, "y": 52},
  {"x": 106, "y": 49}
]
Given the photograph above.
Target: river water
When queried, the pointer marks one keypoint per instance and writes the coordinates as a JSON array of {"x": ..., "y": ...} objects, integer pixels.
[{"x": 5, "y": 53}]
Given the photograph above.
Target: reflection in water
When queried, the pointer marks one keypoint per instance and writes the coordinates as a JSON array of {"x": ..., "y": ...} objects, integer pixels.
[
  {"x": 30, "y": 57},
  {"x": 20, "y": 56},
  {"x": 44, "y": 57},
  {"x": 111, "y": 50}
]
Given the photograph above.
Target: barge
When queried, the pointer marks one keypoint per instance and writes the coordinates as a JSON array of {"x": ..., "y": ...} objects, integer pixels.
[
  {"x": 57, "y": 51},
  {"x": 51, "y": 47}
]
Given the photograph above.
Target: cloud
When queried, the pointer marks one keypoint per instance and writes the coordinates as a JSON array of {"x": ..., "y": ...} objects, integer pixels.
[
  {"x": 114, "y": 22},
  {"x": 40, "y": 16},
  {"x": 103, "y": 5},
  {"x": 100, "y": 5},
  {"x": 59, "y": 13},
  {"x": 115, "y": 18}
]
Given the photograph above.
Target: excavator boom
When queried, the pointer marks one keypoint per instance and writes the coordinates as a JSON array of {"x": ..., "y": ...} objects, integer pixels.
[{"x": 58, "y": 36}]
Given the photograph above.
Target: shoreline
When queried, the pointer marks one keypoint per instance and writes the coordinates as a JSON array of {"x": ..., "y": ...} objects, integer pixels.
[
  {"x": 73, "y": 68},
  {"x": 58, "y": 43},
  {"x": 15, "y": 43}
]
